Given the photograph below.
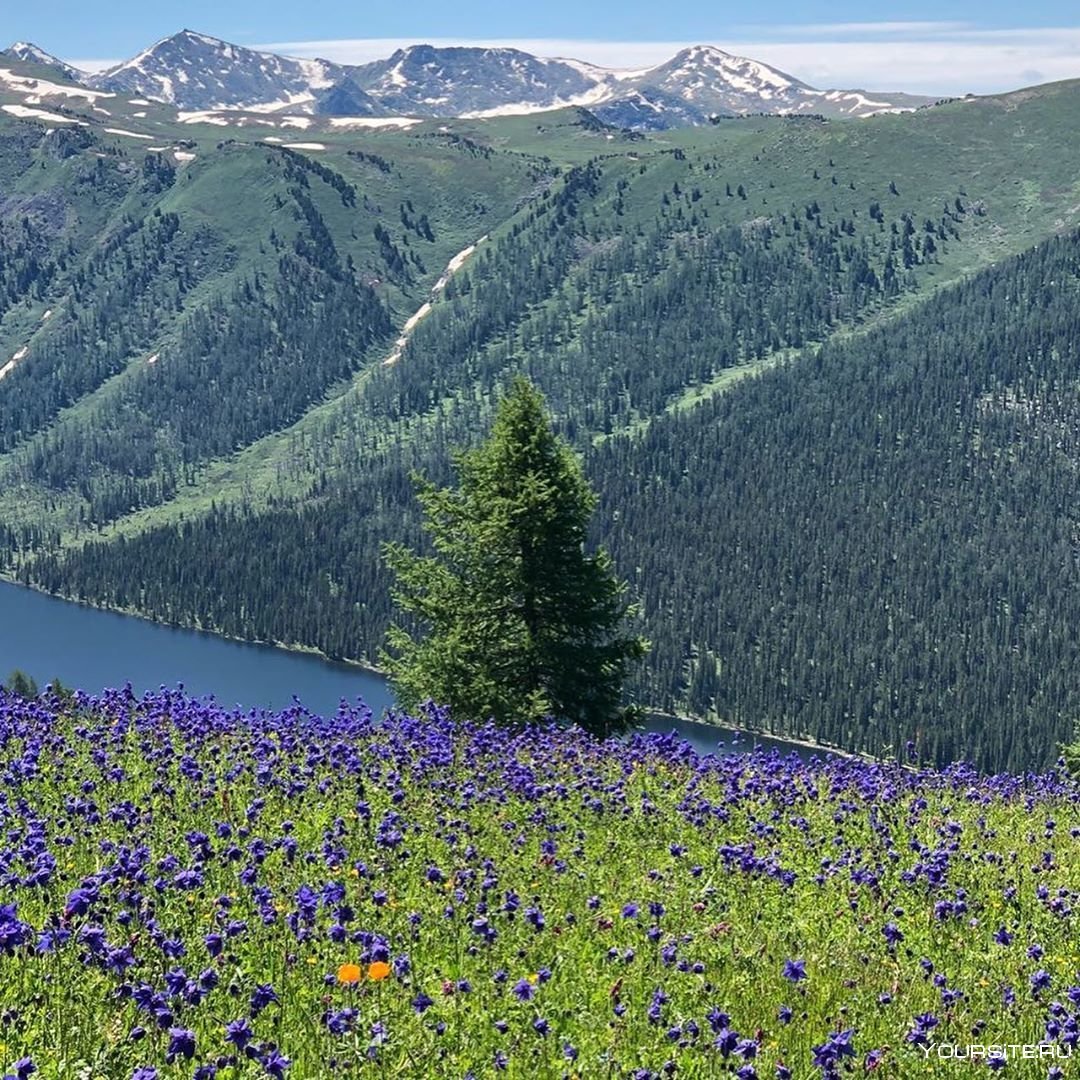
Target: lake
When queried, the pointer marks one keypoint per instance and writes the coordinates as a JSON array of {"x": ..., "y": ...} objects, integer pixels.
[{"x": 90, "y": 649}]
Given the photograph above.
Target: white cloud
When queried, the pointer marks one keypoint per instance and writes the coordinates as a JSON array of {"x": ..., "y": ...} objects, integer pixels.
[
  {"x": 92, "y": 65},
  {"x": 941, "y": 66},
  {"x": 873, "y": 29}
]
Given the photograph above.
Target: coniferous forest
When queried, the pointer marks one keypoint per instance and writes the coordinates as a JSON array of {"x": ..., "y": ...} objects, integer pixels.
[
  {"x": 824, "y": 381},
  {"x": 861, "y": 594}
]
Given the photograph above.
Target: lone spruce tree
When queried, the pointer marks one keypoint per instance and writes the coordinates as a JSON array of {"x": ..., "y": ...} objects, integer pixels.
[{"x": 519, "y": 621}]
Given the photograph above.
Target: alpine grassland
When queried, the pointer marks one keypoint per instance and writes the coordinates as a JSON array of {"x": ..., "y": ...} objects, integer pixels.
[{"x": 190, "y": 891}]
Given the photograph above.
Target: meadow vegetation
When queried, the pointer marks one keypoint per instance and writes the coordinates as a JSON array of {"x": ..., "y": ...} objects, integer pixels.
[{"x": 190, "y": 891}]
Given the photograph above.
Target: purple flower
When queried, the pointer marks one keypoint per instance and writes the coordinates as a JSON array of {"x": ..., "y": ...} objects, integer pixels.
[
  {"x": 659, "y": 999},
  {"x": 726, "y": 1041},
  {"x": 524, "y": 990},
  {"x": 920, "y": 1032},
  {"x": 49, "y": 940},
  {"x": 829, "y": 1054},
  {"x": 747, "y": 1049},
  {"x": 275, "y": 1063},
  {"x": 239, "y": 1033},
  {"x": 79, "y": 901},
  {"x": 261, "y": 997},
  {"x": 339, "y": 1023},
  {"x": 795, "y": 970},
  {"x": 181, "y": 1044},
  {"x": 13, "y": 932}
]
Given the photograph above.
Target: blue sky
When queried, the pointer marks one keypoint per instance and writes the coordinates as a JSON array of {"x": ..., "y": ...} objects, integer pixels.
[{"x": 947, "y": 45}]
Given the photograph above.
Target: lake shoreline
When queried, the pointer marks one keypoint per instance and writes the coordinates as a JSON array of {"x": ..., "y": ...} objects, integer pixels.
[
  {"x": 703, "y": 727},
  {"x": 135, "y": 613},
  {"x": 791, "y": 740}
]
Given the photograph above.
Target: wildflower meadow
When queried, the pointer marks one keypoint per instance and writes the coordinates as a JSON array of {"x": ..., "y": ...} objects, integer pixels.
[{"x": 192, "y": 892}]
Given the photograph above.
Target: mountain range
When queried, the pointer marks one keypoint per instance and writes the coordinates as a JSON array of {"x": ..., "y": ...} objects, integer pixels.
[
  {"x": 819, "y": 373},
  {"x": 196, "y": 73}
]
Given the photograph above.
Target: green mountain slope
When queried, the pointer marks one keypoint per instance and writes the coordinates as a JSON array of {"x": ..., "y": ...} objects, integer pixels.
[{"x": 216, "y": 421}]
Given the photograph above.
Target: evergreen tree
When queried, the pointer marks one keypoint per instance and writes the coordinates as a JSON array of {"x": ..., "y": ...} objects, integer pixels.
[
  {"x": 22, "y": 685},
  {"x": 520, "y": 622}
]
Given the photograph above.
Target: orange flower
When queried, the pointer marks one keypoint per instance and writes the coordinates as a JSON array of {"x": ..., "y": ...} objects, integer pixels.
[
  {"x": 349, "y": 974},
  {"x": 378, "y": 971}
]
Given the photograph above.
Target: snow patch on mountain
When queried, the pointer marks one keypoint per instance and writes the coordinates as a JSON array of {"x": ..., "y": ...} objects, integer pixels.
[
  {"x": 9, "y": 367},
  {"x": 25, "y": 112},
  {"x": 452, "y": 267},
  {"x": 290, "y": 101},
  {"x": 40, "y": 88},
  {"x": 202, "y": 118},
  {"x": 349, "y": 122}
]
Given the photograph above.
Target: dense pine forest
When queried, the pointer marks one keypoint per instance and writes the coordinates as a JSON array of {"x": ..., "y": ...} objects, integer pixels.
[
  {"x": 863, "y": 593},
  {"x": 820, "y": 376}
]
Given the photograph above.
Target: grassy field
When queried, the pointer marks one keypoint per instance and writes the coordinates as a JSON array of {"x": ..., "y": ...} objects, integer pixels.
[{"x": 194, "y": 892}]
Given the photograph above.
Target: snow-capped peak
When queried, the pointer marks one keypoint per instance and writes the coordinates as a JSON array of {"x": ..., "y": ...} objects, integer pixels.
[
  {"x": 196, "y": 71},
  {"x": 704, "y": 72},
  {"x": 199, "y": 74},
  {"x": 29, "y": 53}
]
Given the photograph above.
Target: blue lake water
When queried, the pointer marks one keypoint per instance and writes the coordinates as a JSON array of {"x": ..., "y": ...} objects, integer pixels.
[{"x": 90, "y": 649}]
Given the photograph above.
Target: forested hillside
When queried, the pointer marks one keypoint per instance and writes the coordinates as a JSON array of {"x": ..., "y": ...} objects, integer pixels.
[
  {"x": 880, "y": 543},
  {"x": 209, "y": 420}
]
